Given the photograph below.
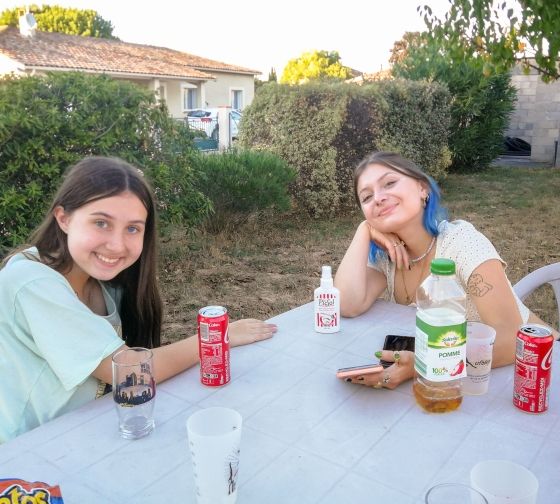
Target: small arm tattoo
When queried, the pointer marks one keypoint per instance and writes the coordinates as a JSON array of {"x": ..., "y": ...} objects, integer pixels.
[{"x": 477, "y": 286}]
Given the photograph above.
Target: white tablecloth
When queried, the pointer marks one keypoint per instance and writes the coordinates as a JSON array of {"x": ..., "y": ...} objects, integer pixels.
[{"x": 307, "y": 436}]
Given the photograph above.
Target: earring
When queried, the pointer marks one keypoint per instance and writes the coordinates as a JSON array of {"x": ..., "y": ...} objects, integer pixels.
[{"x": 425, "y": 201}]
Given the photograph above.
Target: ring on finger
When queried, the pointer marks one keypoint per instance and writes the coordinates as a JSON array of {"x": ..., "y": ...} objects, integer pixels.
[
  {"x": 396, "y": 357},
  {"x": 396, "y": 244},
  {"x": 378, "y": 385},
  {"x": 386, "y": 379}
]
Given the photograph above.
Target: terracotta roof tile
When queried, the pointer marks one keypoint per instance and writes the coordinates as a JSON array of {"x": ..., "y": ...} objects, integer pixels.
[
  {"x": 386, "y": 74},
  {"x": 57, "y": 50}
]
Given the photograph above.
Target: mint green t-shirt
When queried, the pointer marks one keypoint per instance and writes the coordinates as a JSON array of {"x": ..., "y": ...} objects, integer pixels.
[{"x": 50, "y": 343}]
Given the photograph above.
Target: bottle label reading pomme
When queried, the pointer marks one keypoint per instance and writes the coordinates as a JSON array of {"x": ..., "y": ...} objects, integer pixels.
[{"x": 440, "y": 351}]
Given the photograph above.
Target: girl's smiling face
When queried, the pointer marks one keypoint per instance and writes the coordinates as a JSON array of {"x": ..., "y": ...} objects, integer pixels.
[
  {"x": 389, "y": 199},
  {"x": 105, "y": 236}
]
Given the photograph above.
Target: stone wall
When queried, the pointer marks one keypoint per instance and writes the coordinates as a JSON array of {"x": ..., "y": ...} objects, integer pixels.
[{"x": 536, "y": 118}]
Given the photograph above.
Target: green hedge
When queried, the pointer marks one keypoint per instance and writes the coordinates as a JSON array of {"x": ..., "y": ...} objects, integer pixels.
[
  {"x": 480, "y": 117},
  {"x": 417, "y": 123},
  {"x": 48, "y": 123},
  {"x": 239, "y": 183},
  {"x": 324, "y": 130},
  {"x": 481, "y": 104}
]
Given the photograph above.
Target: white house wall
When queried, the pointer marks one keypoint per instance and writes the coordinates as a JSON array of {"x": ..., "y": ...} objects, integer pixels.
[
  {"x": 174, "y": 99},
  {"x": 213, "y": 93},
  {"x": 8, "y": 65},
  {"x": 173, "y": 96},
  {"x": 218, "y": 92},
  {"x": 210, "y": 93}
]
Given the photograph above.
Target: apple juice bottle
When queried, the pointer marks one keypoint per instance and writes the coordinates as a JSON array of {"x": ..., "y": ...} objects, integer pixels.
[{"x": 441, "y": 336}]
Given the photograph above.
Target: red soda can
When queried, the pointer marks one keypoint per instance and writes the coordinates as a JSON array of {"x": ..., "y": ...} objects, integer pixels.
[
  {"x": 213, "y": 345},
  {"x": 533, "y": 358}
]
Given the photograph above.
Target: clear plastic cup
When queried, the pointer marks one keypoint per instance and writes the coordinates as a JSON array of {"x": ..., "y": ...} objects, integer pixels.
[
  {"x": 454, "y": 493},
  {"x": 480, "y": 343}
]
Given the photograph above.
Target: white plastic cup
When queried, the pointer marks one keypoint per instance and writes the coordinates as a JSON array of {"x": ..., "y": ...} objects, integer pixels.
[
  {"x": 214, "y": 439},
  {"x": 505, "y": 482},
  {"x": 480, "y": 343}
]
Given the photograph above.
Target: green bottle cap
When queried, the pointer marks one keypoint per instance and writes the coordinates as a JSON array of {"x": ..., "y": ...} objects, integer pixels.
[{"x": 442, "y": 267}]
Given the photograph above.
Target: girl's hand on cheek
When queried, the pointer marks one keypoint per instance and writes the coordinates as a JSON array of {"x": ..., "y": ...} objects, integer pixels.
[{"x": 393, "y": 245}]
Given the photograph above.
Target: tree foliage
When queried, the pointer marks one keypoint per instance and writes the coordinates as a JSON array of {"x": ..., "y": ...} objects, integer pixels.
[
  {"x": 323, "y": 65},
  {"x": 271, "y": 78},
  {"x": 272, "y": 75},
  {"x": 87, "y": 23},
  {"x": 481, "y": 102},
  {"x": 399, "y": 52},
  {"x": 48, "y": 123},
  {"x": 502, "y": 33}
]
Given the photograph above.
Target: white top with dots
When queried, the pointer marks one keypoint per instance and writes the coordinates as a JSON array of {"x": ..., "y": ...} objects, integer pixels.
[{"x": 469, "y": 248}]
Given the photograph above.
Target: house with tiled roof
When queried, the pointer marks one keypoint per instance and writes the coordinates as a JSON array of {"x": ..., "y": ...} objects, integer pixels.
[{"x": 183, "y": 80}]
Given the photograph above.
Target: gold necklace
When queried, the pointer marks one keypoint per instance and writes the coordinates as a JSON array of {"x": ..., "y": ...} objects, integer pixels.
[{"x": 408, "y": 297}]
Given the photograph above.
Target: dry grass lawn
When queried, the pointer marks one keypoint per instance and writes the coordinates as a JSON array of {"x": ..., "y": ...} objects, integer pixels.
[{"x": 272, "y": 263}]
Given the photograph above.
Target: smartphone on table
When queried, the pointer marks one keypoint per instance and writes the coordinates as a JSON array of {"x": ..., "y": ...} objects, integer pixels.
[
  {"x": 353, "y": 371},
  {"x": 397, "y": 343}
]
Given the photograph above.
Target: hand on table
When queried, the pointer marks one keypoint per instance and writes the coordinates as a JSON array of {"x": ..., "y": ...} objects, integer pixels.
[
  {"x": 245, "y": 331},
  {"x": 394, "y": 375}
]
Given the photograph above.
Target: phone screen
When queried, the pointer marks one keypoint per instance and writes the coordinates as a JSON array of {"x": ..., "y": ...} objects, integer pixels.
[{"x": 397, "y": 343}]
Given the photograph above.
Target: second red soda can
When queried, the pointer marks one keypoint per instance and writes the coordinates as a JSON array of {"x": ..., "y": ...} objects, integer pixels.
[
  {"x": 533, "y": 357},
  {"x": 213, "y": 345}
]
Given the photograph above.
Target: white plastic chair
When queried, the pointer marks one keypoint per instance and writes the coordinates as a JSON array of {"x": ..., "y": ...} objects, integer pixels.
[{"x": 547, "y": 274}]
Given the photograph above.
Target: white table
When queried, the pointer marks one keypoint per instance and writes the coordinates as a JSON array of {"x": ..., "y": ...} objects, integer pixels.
[{"x": 307, "y": 436}]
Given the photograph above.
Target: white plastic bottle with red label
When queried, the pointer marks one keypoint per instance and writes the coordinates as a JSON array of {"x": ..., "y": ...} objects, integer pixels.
[{"x": 327, "y": 304}]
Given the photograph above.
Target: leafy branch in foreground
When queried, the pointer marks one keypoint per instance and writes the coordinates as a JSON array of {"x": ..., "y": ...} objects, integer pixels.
[{"x": 502, "y": 33}]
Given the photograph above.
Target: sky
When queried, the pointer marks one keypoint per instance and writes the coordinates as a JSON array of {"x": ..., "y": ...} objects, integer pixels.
[{"x": 259, "y": 34}]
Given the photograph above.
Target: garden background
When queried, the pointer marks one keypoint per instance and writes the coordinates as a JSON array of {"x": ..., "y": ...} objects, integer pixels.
[{"x": 250, "y": 228}]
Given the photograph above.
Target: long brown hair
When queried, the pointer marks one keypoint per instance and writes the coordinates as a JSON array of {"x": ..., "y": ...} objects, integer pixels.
[{"x": 91, "y": 179}]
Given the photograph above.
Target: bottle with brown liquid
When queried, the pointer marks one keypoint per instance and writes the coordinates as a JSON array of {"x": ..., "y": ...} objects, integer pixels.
[{"x": 441, "y": 336}]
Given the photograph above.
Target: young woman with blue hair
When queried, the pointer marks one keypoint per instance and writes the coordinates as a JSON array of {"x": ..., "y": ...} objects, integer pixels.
[{"x": 404, "y": 229}]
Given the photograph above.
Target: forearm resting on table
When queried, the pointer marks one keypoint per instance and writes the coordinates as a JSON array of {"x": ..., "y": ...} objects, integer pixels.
[
  {"x": 169, "y": 360},
  {"x": 504, "y": 345},
  {"x": 354, "y": 279},
  {"x": 356, "y": 300}
]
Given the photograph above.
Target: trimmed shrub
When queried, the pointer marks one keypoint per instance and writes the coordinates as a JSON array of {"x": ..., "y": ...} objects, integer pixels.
[
  {"x": 324, "y": 130},
  {"x": 301, "y": 124},
  {"x": 481, "y": 110},
  {"x": 417, "y": 123},
  {"x": 48, "y": 123},
  {"x": 241, "y": 182},
  {"x": 481, "y": 104}
]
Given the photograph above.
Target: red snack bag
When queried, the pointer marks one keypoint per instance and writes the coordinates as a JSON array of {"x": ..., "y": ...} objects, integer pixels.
[{"x": 19, "y": 491}]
